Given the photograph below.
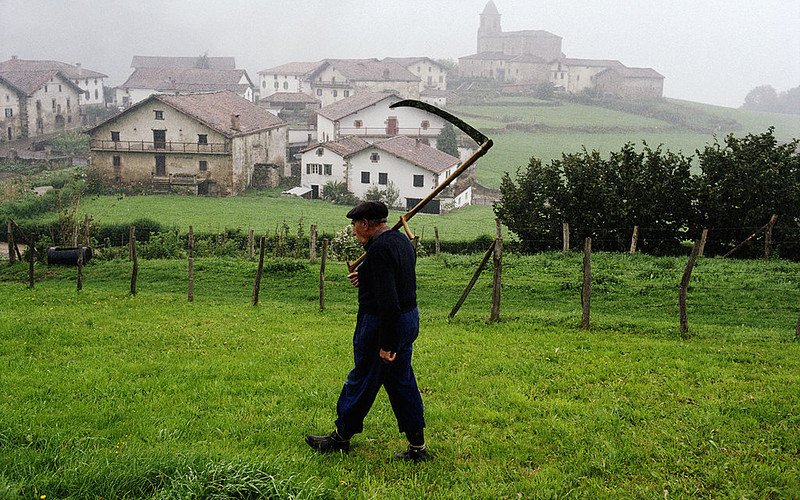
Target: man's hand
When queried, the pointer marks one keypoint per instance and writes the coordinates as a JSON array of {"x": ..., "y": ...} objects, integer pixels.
[
  {"x": 353, "y": 277},
  {"x": 387, "y": 356}
]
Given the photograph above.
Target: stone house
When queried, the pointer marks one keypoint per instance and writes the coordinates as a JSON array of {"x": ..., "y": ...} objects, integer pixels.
[
  {"x": 215, "y": 144},
  {"x": 36, "y": 103},
  {"x": 90, "y": 82},
  {"x": 411, "y": 167},
  {"x": 368, "y": 115},
  {"x": 629, "y": 83}
]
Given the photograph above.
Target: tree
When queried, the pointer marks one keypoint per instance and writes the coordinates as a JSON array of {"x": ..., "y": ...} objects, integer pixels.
[
  {"x": 447, "y": 141},
  {"x": 202, "y": 62},
  {"x": 763, "y": 98}
]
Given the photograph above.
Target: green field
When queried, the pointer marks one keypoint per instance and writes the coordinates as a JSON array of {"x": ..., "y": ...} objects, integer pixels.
[
  {"x": 108, "y": 395},
  {"x": 570, "y": 127}
]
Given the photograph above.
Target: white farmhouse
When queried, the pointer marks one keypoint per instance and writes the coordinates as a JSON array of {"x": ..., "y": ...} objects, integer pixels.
[
  {"x": 90, "y": 82},
  {"x": 432, "y": 75},
  {"x": 337, "y": 79},
  {"x": 408, "y": 165},
  {"x": 290, "y": 77},
  {"x": 369, "y": 116}
]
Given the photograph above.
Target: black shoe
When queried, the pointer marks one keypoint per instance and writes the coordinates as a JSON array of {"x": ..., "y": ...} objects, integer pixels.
[
  {"x": 329, "y": 443},
  {"x": 414, "y": 454}
]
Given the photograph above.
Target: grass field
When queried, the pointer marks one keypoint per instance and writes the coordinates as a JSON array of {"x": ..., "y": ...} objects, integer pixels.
[{"x": 105, "y": 395}]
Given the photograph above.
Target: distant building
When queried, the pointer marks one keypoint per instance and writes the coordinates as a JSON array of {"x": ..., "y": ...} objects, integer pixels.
[
  {"x": 411, "y": 167},
  {"x": 90, "y": 82},
  {"x": 36, "y": 103},
  {"x": 432, "y": 75},
  {"x": 290, "y": 77},
  {"x": 215, "y": 144},
  {"x": 369, "y": 116},
  {"x": 168, "y": 62},
  {"x": 337, "y": 79},
  {"x": 530, "y": 57}
]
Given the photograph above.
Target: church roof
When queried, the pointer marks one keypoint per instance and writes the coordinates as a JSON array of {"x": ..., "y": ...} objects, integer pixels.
[{"x": 490, "y": 9}]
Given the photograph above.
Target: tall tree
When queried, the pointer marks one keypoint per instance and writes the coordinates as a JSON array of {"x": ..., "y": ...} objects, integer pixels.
[{"x": 447, "y": 141}]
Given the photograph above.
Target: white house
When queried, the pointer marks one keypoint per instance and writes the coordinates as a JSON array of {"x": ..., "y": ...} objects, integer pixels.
[
  {"x": 369, "y": 116},
  {"x": 290, "y": 77},
  {"x": 432, "y": 75},
  {"x": 337, "y": 79},
  {"x": 90, "y": 82},
  {"x": 408, "y": 165}
]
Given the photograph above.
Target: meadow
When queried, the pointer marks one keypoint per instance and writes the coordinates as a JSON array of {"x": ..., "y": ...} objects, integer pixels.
[{"x": 108, "y": 395}]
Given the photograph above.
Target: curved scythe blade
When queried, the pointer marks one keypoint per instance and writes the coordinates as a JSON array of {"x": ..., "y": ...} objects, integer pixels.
[{"x": 468, "y": 129}]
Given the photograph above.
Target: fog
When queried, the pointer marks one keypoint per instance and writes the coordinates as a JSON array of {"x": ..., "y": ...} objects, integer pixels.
[{"x": 711, "y": 51}]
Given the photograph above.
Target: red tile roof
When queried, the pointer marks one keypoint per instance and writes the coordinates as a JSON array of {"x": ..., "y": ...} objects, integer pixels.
[
  {"x": 68, "y": 70},
  {"x": 182, "y": 62},
  {"x": 344, "y": 147},
  {"x": 369, "y": 70},
  {"x": 284, "y": 97},
  {"x": 292, "y": 68},
  {"x": 187, "y": 80},
  {"x": 28, "y": 82},
  {"x": 418, "y": 153},
  {"x": 350, "y": 105}
]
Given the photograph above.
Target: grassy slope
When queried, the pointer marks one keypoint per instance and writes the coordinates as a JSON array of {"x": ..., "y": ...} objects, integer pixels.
[{"x": 104, "y": 394}]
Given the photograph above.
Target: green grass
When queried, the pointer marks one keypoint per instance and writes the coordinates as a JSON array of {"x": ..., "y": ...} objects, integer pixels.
[
  {"x": 108, "y": 395},
  {"x": 266, "y": 213}
]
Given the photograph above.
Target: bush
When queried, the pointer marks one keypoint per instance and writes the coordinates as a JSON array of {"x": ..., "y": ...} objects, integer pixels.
[{"x": 163, "y": 245}]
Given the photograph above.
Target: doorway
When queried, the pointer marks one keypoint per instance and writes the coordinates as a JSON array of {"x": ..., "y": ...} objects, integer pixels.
[
  {"x": 159, "y": 139},
  {"x": 161, "y": 166},
  {"x": 391, "y": 126}
]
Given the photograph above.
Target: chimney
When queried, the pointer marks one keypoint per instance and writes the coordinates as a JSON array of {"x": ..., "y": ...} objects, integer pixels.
[
  {"x": 235, "y": 125},
  {"x": 13, "y": 58}
]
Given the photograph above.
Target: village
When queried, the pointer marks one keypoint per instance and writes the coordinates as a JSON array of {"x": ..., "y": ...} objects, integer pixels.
[{"x": 202, "y": 126}]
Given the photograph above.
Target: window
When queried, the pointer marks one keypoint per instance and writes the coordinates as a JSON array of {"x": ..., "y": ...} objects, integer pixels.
[
  {"x": 263, "y": 84},
  {"x": 9, "y": 112},
  {"x": 328, "y": 169},
  {"x": 347, "y": 93},
  {"x": 275, "y": 77},
  {"x": 319, "y": 92},
  {"x": 96, "y": 94},
  {"x": 115, "y": 136},
  {"x": 277, "y": 85},
  {"x": 320, "y": 151},
  {"x": 425, "y": 124},
  {"x": 313, "y": 168},
  {"x": 364, "y": 177},
  {"x": 45, "y": 88},
  {"x": 54, "y": 104},
  {"x": 374, "y": 157},
  {"x": 59, "y": 87},
  {"x": 358, "y": 124},
  {"x": 202, "y": 138},
  {"x": 117, "y": 160},
  {"x": 419, "y": 181},
  {"x": 335, "y": 93},
  {"x": 203, "y": 165},
  {"x": 159, "y": 114},
  {"x": 383, "y": 178},
  {"x": 68, "y": 104},
  {"x": 285, "y": 85}
]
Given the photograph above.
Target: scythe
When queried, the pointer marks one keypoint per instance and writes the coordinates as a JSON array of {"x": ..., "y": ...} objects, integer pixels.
[{"x": 484, "y": 142}]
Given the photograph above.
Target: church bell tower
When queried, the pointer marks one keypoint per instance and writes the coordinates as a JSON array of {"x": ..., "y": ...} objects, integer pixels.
[{"x": 490, "y": 25}]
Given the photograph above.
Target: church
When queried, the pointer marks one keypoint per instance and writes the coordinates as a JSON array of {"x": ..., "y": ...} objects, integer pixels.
[{"x": 520, "y": 60}]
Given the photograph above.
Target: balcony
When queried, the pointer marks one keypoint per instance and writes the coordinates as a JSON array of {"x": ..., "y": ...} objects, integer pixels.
[
  {"x": 384, "y": 131},
  {"x": 220, "y": 148}
]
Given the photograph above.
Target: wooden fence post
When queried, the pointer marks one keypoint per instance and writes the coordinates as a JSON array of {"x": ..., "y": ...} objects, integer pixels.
[
  {"x": 86, "y": 230},
  {"x": 257, "y": 284},
  {"x": 473, "y": 280},
  {"x": 436, "y": 239},
  {"x": 797, "y": 331},
  {"x": 322, "y": 274},
  {"x": 190, "y": 290},
  {"x": 634, "y": 239},
  {"x": 131, "y": 235},
  {"x": 11, "y": 245},
  {"x": 497, "y": 284},
  {"x": 135, "y": 273},
  {"x": 565, "y": 233},
  {"x": 768, "y": 238},
  {"x": 687, "y": 274},
  {"x": 586, "y": 290},
  {"x": 80, "y": 268},
  {"x": 75, "y": 236},
  {"x": 703, "y": 238},
  {"x": 31, "y": 252},
  {"x": 250, "y": 243},
  {"x": 760, "y": 230},
  {"x": 312, "y": 243}
]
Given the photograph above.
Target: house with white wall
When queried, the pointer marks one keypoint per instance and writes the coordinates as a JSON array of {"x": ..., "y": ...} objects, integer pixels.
[
  {"x": 215, "y": 143},
  {"x": 368, "y": 115},
  {"x": 432, "y": 75},
  {"x": 90, "y": 82},
  {"x": 408, "y": 165},
  {"x": 144, "y": 82},
  {"x": 37, "y": 103},
  {"x": 290, "y": 77},
  {"x": 337, "y": 79}
]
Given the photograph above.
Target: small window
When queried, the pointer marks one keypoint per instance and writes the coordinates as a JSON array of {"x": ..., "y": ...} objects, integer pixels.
[
  {"x": 383, "y": 178},
  {"x": 203, "y": 165},
  {"x": 285, "y": 85},
  {"x": 319, "y": 92},
  {"x": 96, "y": 94},
  {"x": 320, "y": 151},
  {"x": 328, "y": 169},
  {"x": 115, "y": 136},
  {"x": 54, "y": 104},
  {"x": 308, "y": 168},
  {"x": 117, "y": 160},
  {"x": 45, "y": 88},
  {"x": 358, "y": 124},
  {"x": 202, "y": 138},
  {"x": 159, "y": 114},
  {"x": 9, "y": 112},
  {"x": 335, "y": 93},
  {"x": 419, "y": 181},
  {"x": 263, "y": 84},
  {"x": 59, "y": 87},
  {"x": 364, "y": 177},
  {"x": 425, "y": 124},
  {"x": 374, "y": 157},
  {"x": 277, "y": 85},
  {"x": 346, "y": 93}
]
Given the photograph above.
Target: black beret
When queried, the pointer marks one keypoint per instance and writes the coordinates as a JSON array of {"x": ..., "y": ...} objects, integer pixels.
[{"x": 370, "y": 210}]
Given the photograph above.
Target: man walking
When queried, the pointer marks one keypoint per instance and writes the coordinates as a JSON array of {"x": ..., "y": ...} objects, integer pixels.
[{"x": 386, "y": 327}]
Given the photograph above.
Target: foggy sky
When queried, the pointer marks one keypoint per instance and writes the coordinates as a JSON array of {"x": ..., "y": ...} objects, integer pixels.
[{"x": 711, "y": 51}]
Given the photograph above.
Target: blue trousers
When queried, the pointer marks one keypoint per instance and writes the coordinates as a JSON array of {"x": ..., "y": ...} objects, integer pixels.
[{"x": 370, "y": 373}]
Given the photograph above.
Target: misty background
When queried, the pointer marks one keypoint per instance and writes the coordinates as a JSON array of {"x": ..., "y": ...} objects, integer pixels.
[{"x": 710, "y": 51}]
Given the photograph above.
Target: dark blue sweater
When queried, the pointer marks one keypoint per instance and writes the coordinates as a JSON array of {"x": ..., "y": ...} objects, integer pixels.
[{"x": 387, "y": 283}]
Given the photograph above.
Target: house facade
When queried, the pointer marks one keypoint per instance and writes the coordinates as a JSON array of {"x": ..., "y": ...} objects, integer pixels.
[
  {"x": 37, "y": 103},
  {"x": 215, "y": 144},
  {"x": 629, "y": 83},
  {"x": 290, "y": 77},
  {"x": 407, "y": 165},
  {"x": 90, "y": 82},
  {"x": 431, "y": 74},
  {"x": 368, "y": 115},
  {"x": 337, "y": 79}
]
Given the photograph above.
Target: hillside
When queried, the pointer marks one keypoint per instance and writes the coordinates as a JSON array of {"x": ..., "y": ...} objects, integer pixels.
[{"x": 523, "y": 129}]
